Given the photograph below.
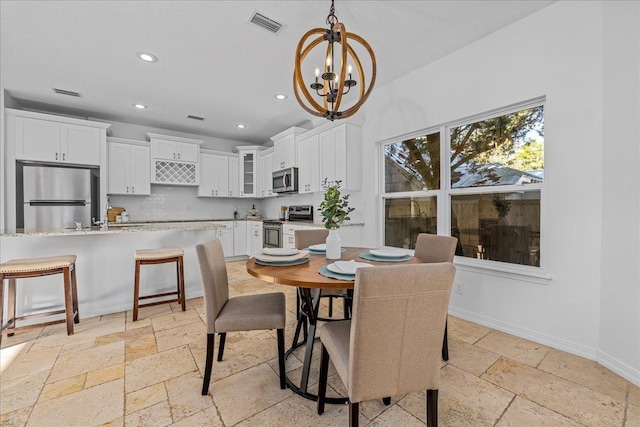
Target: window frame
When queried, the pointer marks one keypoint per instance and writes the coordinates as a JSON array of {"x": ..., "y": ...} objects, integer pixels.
[{"x": 445, "y": 192}]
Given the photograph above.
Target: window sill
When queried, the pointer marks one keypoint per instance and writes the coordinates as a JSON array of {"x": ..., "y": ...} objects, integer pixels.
[{"x": 499, "y": 269}]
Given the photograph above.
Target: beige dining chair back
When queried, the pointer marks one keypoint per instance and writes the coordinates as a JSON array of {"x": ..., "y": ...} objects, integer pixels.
[
  {"x": 391, "y": 346},
  {"x": 435, "y": 248},
  {"x": 241, "y": 313},
  {"x": 306, "y": 238}
]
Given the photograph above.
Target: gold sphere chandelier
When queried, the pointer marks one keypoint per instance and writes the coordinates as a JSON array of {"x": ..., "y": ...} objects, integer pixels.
[{"x": 337, "y": 74}]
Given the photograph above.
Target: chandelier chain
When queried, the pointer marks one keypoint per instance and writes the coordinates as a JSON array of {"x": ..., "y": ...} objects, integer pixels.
[{"x": 332, "y": 19}]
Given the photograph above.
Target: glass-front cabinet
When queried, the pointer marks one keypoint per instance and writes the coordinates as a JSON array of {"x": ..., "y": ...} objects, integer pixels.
[{"x": 247, "y": 171}]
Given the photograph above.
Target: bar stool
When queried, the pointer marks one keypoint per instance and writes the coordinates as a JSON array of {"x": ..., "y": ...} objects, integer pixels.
[
  {"x": 158, "y": 256},
  {"x": 39, "y": 267}
]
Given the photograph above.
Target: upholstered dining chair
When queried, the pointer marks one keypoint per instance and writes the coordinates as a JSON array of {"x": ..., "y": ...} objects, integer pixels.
[
  {"x": 391, "y": 345},
  {"x": 242, "y": 313},
  {"x": 435, "y": 248},
  {"x": 306, "y": 238}
]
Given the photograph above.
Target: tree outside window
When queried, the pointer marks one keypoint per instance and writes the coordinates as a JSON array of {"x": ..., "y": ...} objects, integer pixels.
[{"x": 493, "y": 196}]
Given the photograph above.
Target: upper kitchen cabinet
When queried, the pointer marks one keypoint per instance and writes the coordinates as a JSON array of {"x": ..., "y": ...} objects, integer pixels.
[
  {"x": 49, "y": 138},
  {"x": 341, "y": 155},
  {"x": 216, "y": 175},
  {"x": 284, "y": 143},
  {"x": 248, "y": 170},
  {"x": 174, "y": 160},
  {"x": 266, "y": 161},
  {"x": 308, "y": 164},
  {"x": 128, "y": 167}
]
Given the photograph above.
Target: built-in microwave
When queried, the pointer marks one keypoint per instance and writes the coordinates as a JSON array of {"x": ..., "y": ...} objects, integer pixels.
[{"x": 286, "y": 181}]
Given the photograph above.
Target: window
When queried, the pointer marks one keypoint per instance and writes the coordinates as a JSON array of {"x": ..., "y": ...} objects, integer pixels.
[{"x": 491, "y": 191}]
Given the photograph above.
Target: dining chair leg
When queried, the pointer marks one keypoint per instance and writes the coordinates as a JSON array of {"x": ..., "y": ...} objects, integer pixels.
[
  {"x": 208, "y": 364},
  {"x": 432, "y": 408},
  {"x": 386, "y": 401},
  {"x": 354, "y": 409},
  {"x": 223, "y": 337},
  {"x": 283, "y": 383},
  {"x": 330, "y": 306},
  {"x": 445, "y": 344},
  {"x": 322, "y": 381}
]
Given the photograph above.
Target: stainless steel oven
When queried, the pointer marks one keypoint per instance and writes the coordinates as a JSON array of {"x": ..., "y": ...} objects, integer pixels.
[{"x": 272, "y": 234}]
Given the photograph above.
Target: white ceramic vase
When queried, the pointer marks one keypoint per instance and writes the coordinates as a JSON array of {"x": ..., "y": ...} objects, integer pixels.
[{"x": 334, "y": 245}]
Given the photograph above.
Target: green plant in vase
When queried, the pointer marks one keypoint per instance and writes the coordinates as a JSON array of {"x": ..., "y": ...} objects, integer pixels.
[
  {"x": 335, "y": 206},
  {"x": 334, "y": 210}
]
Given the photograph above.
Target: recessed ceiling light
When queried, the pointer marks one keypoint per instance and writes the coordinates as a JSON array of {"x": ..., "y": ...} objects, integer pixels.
[
  {"x": 281, "y": 96},
  {"x": 146, "y": 56},
  {"x": 140, "y": 106},
  {"x": 241, "y": 126}
]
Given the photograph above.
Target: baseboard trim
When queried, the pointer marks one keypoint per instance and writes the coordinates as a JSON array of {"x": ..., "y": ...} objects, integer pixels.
[{"x": 614, "y": 365}]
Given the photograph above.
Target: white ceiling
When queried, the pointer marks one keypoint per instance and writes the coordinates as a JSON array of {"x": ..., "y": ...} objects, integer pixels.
[{"x": 212, "y": 62}]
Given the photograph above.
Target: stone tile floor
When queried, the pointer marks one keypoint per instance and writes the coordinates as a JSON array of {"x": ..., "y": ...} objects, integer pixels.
[{"x": 114, "y": 372}]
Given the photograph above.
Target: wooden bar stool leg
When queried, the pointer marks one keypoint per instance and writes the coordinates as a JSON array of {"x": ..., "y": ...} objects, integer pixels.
[
  {"x": 74, "y": 288},
  {"x": 183, "y": 297},
  {"x": 181, "y": 294},
  {"x": 68, "y": 299},
  {"x": 11, "y": 306},
  {"x": 136, "y": 291}
]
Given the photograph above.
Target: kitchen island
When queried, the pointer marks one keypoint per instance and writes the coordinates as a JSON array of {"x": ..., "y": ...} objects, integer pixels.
[{"x": 105, "y": 264}]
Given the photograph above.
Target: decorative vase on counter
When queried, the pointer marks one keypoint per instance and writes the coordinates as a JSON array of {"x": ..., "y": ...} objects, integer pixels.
[{"x": 333, "y": 245}]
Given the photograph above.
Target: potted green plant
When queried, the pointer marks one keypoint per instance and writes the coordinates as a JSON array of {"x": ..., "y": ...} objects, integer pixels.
[{"x": 335, "y": 210}]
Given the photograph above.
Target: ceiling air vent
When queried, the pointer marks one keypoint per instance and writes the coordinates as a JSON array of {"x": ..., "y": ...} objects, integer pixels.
[
  {"x": 267, "y": 23},
  {"x": 195, "y": 117},
  {"x": 67, "y": 92}
]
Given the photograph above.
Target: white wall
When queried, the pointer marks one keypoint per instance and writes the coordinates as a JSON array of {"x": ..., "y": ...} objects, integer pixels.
[
  {"x": 557, "y": 53},
  {"x": 620, "y": 280}
]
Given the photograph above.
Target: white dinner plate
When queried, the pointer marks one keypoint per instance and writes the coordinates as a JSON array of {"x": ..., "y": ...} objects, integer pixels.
[
  {"x": 320, "y": 247},
  {"x": 347, "y": 267},
  {"x": 388, "y": 253},
  {"x": 280, "y": 251},
  {"x": 281, "y": 258}
]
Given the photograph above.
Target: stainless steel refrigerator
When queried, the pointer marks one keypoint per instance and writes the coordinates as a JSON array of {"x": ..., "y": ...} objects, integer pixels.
[{"x": 55, "y": 198}]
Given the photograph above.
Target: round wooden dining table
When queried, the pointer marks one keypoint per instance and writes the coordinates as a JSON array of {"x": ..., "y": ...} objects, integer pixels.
[{"x": 309, "y": 282}]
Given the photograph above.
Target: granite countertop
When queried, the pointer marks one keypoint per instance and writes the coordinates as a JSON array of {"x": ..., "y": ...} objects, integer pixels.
[
  {"x": 121, "y": 228},
  {"x": 145, "y": 226}
]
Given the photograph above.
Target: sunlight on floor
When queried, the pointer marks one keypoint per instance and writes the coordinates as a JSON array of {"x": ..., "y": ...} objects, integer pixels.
[{"x": 7, "y": 355}]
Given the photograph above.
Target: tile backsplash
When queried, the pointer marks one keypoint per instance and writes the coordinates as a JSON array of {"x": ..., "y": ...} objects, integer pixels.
[{"x": 167, "y": 203}]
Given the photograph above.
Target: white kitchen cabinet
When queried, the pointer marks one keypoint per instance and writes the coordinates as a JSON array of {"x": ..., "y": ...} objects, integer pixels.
[
  {"x": 174, "y": 160},
  {"x": 128, "y": 167},
  {"x": 234, "y": 176},
  {"x": 265, "y": 173},
  {"x": 214, "y": 175},
  {"x": 171, "y": 148},
  {"x": 225, "y": 234},
  {"x": 240, "y": 237},
  {"x": 255, "y": 237},
  {"x": 52, "y": 141},
  {"x": 248, "y": 165},
  {"x": 285, "y": 152},
  {"x": 288, "y": 235},
  {"x": 341, "y": 155},
  {"x": 309, "y": 165},
  {"x": 285, "y": 148}
]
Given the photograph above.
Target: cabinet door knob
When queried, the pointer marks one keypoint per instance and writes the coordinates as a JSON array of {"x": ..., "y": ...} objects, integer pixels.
[
  {"x": 127, "y": 189},
  {"x": 133, "y": 189},
  {"x": 56, "y": 156},
  {"x": 64, "y": 156},
  {"x": 178, "y": 156},
  {"x": 174, "y": 156}
]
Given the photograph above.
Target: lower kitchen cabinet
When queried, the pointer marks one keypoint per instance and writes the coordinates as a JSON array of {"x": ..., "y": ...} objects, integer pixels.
[
  {"x": 255, "y": 237},
  {"x": 240, "y": 237},
  {"x": 225, "y": 234}
]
